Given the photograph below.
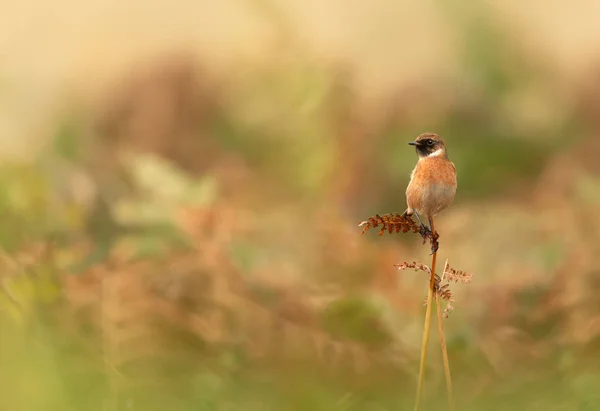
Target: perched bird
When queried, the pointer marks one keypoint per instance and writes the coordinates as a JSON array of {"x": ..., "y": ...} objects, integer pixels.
[{"x": 432, "y": 183}]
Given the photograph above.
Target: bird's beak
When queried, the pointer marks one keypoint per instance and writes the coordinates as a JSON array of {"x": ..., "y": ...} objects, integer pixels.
[{"x": 412, "y": 143}]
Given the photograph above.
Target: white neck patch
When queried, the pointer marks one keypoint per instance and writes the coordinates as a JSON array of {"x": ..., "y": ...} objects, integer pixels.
[{"x": 436, "y": 153}]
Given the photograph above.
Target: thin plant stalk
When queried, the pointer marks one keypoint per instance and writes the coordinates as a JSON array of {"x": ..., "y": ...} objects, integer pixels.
[
  {"x": 426, "y": 328},
  {"x": 443, "y": 346}
]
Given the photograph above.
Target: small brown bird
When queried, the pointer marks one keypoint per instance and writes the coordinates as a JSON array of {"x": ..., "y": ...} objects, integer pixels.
[{"x": 432, "y": 183}]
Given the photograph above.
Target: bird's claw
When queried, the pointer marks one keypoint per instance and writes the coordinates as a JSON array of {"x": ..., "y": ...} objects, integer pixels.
[
  {"x": 425, "y": 232},
  {"x": 435, "y": 245}
]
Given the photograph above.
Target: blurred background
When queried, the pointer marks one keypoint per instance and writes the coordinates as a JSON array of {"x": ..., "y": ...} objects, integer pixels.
[{"x": 181, "y": 183}]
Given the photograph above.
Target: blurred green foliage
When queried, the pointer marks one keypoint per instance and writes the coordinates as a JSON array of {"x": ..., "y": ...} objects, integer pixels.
[{"x": 355, "y": 319}]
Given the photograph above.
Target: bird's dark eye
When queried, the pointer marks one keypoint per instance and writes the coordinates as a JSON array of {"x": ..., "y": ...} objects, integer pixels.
[{"x": 430, "y": 142}]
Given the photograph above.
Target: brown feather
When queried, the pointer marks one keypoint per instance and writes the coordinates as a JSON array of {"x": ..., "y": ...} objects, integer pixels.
[{"x": 432, "y": 186}]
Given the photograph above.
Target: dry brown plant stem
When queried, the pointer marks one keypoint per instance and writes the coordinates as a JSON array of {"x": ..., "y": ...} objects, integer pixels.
[
  {"x": 443, "y": 345},
  {"x": 398, "y": 223},
  {"x": 426, "y": 328}
]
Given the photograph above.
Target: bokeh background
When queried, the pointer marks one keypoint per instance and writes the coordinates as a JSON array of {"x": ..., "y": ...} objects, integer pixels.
[{"x": 181, "y": 183}]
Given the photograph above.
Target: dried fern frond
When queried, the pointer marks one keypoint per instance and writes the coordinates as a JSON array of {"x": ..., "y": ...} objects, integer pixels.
[
  {"x": 449, "y": 307},
  {"x": 457, "y": 276},
  {"x": 445, "y": 294},
  {"x": 393, "y": 222},
  {"x": 442, "y": 289},
  {"x": 441, "y": 286},
  {"x": 414, "y": 265}
]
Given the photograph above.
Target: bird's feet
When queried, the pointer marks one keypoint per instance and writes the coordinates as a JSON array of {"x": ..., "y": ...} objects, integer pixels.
[
  {"x": 425, "y": 232},
  {"x": 435, "y": 245}
]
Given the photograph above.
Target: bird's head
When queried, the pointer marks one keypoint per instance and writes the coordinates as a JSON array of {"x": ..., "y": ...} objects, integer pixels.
[{"x": 429, "y": 145}]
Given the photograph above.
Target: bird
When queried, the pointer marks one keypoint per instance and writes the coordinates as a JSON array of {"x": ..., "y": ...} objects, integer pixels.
[{"x": 432, "y": 185}]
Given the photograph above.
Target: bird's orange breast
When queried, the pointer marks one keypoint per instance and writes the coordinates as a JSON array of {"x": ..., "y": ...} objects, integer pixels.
[
  {"x": 434, "y": 170},
  {"x": 432, "y": 185}
]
